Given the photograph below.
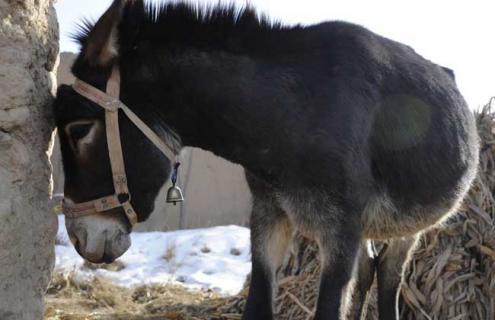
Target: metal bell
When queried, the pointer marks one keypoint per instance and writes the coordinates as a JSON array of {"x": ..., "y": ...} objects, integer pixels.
[{"x": 174, "y": 193}]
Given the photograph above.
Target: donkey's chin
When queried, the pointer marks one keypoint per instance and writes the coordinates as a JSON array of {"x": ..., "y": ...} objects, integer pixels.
[{"x": 98, "y": 239}]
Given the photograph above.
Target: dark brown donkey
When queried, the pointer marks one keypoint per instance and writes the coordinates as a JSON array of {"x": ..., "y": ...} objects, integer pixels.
[{"x": 344, "y": 135}]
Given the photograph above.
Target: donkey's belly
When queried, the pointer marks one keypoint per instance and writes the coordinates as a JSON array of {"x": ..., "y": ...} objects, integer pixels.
[{"x": 383, "y": 220}]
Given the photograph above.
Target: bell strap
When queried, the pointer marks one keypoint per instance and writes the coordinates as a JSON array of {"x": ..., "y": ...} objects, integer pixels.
[{"x": 115, "y": 149}]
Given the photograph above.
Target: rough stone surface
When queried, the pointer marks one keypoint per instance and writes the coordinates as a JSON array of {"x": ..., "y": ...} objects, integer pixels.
[{"x": 28, "y": 55}]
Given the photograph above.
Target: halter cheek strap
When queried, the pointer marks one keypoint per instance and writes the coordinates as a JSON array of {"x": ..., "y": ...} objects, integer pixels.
[{"x": 111, "y": 103}]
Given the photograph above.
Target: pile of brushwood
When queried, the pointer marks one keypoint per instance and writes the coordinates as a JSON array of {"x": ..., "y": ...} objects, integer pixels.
[{"x": 451, "y": 275}]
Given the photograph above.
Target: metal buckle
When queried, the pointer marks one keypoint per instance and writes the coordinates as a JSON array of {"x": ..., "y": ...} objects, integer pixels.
[{"x": 112, "y": 105}]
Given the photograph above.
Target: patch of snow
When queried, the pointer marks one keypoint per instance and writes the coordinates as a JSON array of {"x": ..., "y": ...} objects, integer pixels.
[{"x": 215, "y": 258}]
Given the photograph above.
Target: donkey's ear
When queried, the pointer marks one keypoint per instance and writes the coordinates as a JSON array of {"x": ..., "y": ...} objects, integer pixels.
[{"x": 100, "y": 48}]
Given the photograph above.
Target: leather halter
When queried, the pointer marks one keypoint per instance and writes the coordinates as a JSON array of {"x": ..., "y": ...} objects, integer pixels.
[{"x": 111, "y": 103}]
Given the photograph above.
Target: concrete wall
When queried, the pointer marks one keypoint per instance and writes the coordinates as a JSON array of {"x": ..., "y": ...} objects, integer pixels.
[
  {"x": 216, "y": 191},
  {"x": 28, "y": 53}
]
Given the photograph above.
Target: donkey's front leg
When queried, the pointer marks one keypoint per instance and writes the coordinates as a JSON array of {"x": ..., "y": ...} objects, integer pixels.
[
  {"x": 271, "y": 234},
  {"x": 339, "y": 243}
]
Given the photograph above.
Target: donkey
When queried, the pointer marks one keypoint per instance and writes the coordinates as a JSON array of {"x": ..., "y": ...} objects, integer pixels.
[{"x": 344, "y": 135}]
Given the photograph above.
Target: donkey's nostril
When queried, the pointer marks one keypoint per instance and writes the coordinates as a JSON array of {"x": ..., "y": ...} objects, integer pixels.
[
  {"x": 77, "y": 245},
  {"x": 108, "y": 257}
]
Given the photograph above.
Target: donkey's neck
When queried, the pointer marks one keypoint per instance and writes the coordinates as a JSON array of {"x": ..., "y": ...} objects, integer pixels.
[{"x": 227, "y": 104}]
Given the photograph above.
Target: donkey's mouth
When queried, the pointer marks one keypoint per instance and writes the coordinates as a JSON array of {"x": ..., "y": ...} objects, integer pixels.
[{"x": 107, "y": 257}]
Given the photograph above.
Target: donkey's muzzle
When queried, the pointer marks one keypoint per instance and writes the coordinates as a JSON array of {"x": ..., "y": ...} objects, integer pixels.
[{"x": 99, "y": 239}]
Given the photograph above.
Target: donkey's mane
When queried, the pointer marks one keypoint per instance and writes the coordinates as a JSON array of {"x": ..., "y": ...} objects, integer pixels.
[{"x": 224, "y": 25}]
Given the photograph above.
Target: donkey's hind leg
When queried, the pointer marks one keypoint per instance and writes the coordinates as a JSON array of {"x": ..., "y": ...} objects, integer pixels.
[
  {"x": 271, "y": 235},
  {"x": 338, "y": 241},
  {"x": 392, "y": 261},
  {"x": 364, "y": 274}
]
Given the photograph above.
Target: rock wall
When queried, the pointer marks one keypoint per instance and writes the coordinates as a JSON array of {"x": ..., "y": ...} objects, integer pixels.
[
  {"x": 216, "y": 191},
  {"x": 28, "y": 55}
]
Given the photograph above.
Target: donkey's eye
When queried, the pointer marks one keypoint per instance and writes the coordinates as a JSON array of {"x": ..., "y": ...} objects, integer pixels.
[
  {"x": 77, "y": 132},
  {"x": 80, "y": 133}
]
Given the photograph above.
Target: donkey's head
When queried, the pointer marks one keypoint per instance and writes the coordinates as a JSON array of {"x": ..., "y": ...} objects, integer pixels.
[{"x": 81, "y": 123}]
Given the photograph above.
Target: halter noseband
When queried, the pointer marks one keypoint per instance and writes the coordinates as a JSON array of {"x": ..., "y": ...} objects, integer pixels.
[{"x": 111, "y": 103}]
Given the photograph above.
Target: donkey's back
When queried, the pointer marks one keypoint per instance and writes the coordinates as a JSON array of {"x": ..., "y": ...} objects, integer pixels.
[{"x": 395, "y": 121}]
